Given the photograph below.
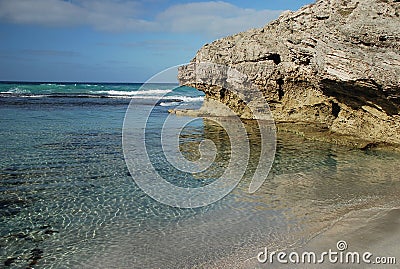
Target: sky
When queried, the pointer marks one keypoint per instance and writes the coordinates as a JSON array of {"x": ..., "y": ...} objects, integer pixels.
[{"x": 117, "y": 40}]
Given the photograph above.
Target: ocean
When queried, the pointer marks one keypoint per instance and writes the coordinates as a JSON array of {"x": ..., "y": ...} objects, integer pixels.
[{"x": 68, "y": 200}]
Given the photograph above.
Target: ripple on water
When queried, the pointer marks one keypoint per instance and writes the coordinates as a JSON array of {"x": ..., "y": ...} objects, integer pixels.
[{"x": 67, "y": 200}]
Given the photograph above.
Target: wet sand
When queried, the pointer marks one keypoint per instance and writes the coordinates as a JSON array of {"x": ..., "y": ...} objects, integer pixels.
[{"x": 374, "y": 230}]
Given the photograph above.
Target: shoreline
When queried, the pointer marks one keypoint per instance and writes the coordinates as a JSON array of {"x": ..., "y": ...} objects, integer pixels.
[{"x": 374, "y": 230}]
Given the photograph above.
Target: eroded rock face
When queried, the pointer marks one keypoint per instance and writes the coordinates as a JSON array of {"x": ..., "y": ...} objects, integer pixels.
[{"x": 335, "y": 63}]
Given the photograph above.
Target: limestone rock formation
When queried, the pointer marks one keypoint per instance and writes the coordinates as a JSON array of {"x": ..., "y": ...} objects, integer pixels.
[{"x": 335, "y": 63}]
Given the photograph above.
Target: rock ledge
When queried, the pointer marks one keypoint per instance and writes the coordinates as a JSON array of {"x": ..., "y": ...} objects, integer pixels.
[{"x": 335, "y": 63}]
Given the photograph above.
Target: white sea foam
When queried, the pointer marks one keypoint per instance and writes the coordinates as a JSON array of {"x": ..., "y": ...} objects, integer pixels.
[
  {"x": 173, "y": 98},
  {"x": 53, "y": 84},
  {"x": 36, "y": 96},
  {"x": 150, "y": 94},
  {"x": 153, "y": 94},
  {"x": 17, "y": 90},
  {"x": 187, "y": 98},
  {"x": 133, "y": 93},
  {"x": 169, "y": 103}
]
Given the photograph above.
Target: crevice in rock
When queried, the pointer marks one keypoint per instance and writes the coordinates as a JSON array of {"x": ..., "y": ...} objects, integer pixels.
[
  {"x": 305, "y": 61},
  {"x": 359, "y": 93},
  {"x": 335, "y": 109},
  {"x": 222, "y": 94},
  {"x": 357, "y": 40},
  {"x": 274, "y": 57},
  {"x": 281, "y": 93},
  {"x": 322, "y": 17},
  {"x": 370, "y": 146},
  {"x": 382, "y": 38}
]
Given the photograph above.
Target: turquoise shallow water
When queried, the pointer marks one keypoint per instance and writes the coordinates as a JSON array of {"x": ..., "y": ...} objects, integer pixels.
[{"x": 68, "y": 201}]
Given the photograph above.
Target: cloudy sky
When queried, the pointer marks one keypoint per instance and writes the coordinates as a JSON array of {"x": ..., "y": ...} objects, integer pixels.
[{"x": 117, "y": 40}]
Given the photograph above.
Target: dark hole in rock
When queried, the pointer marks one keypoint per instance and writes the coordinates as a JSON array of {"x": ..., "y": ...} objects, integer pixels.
[
  {"x": 322, "y": 17},
  {"x": 382, "y": 38},
  {"x": 306, "y": 61},
  {"x": 280, "y": 90},
  {"x": 369, "y": 146},
  {"x": 335, "y": 109},
  {"x": 222, "y": 94},
  {"x": 274, "y": 57}
]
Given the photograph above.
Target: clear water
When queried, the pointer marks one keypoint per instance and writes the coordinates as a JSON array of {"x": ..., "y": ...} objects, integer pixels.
[{"x": 67, "y": 199}]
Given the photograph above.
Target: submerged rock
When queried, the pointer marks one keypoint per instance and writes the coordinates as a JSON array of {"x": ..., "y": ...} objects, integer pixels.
[{"x": 335, "y": 64}]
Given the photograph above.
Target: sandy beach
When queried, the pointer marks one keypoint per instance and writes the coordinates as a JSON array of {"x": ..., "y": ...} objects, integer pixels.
[{"x": 375, "y": 230}]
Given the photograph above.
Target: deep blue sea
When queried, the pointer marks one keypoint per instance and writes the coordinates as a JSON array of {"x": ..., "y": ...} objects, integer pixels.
[{"x": 68, "y": 200}]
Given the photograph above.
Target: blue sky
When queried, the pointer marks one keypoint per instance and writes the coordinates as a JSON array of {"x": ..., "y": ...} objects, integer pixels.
[{"x": 117, "y": 40}]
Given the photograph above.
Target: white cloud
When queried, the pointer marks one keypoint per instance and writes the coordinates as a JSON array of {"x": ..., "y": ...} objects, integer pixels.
[
  {"x": 210, "y": 18},
  {"x": 214, "y": 18},
  {"x": 106, "y": 15},
  {"x": 45, "y": 12}
]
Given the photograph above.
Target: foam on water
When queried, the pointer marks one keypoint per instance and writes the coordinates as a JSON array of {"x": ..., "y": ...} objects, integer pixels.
[
  {"x": 17, "y": 90},
  {"x": 124, "y": 91},
  {"x": 169, "y": 103},
  {"x": 155, "y": 92}
]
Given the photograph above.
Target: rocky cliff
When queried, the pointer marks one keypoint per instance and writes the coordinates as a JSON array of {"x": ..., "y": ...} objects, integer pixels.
[{"x": 335, "y": 64}]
